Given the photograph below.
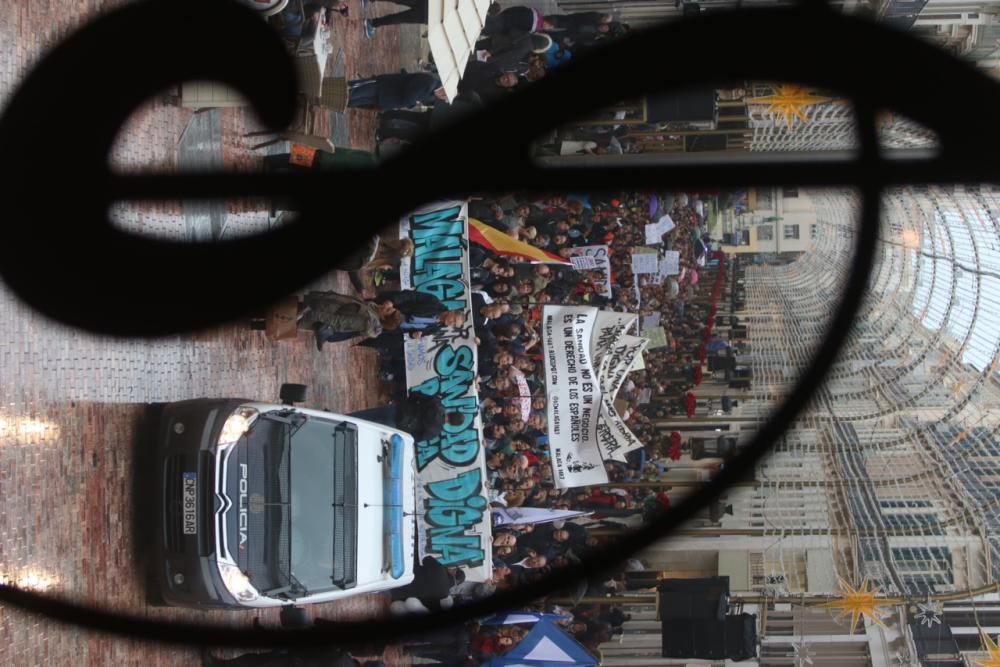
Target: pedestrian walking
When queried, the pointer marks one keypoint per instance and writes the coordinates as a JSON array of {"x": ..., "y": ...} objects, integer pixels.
[
  {"x": 395, "y": 91},
  {"x": 415, "y": 13}
]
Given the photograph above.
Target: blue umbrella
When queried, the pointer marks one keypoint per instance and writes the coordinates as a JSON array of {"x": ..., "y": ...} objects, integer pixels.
[{"x": 547, "y": 645}]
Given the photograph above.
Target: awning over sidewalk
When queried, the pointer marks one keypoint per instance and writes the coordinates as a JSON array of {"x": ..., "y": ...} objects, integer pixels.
[{"x": 453, "y": 26}]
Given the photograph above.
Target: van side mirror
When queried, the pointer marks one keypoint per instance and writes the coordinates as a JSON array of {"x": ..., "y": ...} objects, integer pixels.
[{"x": 292, "y": 393}]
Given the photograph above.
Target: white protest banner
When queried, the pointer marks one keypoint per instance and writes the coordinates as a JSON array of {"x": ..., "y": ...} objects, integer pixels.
[
  {"x": 503, "y": 516},
  {"x": 670, "y": 264},
  {"x": 609, "y": 327},
  {"x": 615, "y": 439},
  {"x": 644, "y": 263},
  {"x": 602, "y": 264},
  {"x": 583, "y": 262},
  {"x": 619, "y": 362},
  {"x": 574, "y": 396},
  {"x": 523, "y": 397},
  {"x": 657, "y": 337},
  {"x": 650, "y": 321},
  {"x": 655, "y": 231},
  {"x": 453, "y": 524},
  {"x": 639, "y": 364}
]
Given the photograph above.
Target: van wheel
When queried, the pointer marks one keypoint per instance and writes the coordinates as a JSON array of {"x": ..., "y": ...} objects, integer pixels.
[{"x": 292, "y": 393}]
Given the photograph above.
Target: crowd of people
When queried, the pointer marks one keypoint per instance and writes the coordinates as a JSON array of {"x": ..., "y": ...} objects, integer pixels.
[
  {"x": 518, "y": 45},
  {"x": 508, "y": 295}
]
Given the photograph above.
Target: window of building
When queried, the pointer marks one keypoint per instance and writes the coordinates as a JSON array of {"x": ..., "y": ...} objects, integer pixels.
[
  {"x": 813, "y": 231},
  {"x": 930, "y": 563},
  {"x": 790, "y": 193},
  {"x": 765, "y": 233},
  {"x": 791, "y": 231},
  {"x": 899, "y": 504},
  {"x": 913, "y": 524}
]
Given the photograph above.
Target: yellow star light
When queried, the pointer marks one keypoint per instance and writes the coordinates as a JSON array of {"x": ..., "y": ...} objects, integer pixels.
[
  {"x": 993, "y": 659},
  {"x": 789, "y": 102},
  {"x": 861, "y": 601}
]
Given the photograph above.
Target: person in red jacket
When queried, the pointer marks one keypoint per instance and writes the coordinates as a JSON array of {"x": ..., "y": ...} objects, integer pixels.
[
  {"x": 600, "y": 498},
  {"x": 485, "y": 646},
  {"x": 690, "y": 404}
]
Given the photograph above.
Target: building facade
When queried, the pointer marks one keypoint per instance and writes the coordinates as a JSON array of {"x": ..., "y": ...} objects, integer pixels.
[{"x": 892, "y": 474}]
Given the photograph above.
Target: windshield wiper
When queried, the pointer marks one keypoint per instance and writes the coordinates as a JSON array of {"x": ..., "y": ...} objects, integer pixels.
[{"x": 293, "y": 591}]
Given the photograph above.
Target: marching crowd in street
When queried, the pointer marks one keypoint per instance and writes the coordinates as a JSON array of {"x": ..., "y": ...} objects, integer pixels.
[
  {"x": 517, "y": 46},
  {"x": 508, "y": 295}
]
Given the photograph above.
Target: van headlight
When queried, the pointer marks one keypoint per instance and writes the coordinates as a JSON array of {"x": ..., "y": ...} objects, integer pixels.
[
  {"x": 237, "y": 583},
  {"x": 236, "y": 425}
]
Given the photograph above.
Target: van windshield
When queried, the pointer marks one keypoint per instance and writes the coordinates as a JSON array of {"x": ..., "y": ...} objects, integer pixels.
[{"x": 323, "y": 504}]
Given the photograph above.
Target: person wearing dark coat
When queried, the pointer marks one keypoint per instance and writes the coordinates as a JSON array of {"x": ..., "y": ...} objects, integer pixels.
[
  {"x": 394, "y": 91},
  {"x": 513, "y": 22},
  {"x": 488, "y": 81},
  {"x": 412, "y": 302},
  {"x": 478, "y": 318},
  {"x": 415, "y": 13},
  {"x": 431, "y": 583},
  {"x": 516, "y": 57},
  {"x": 555, "y": 540},
  {"x": 410, "y": 126}
]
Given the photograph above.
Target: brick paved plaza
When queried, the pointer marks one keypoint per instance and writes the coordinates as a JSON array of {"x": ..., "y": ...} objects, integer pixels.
[{"x": 71, "y": 402}]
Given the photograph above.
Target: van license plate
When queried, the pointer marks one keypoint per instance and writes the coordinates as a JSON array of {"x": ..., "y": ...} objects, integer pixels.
[{"x": 190, "y": 503}]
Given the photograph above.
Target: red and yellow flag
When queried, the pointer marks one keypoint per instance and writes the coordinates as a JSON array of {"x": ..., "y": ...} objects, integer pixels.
[{"x": 502, "y": 244}]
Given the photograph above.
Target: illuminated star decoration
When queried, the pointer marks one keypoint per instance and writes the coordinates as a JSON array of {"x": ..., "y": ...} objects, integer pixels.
[
  {"x": 861, "y": 601},
  {"x": 789, "y": 102},
  {"x": 993, "y": 659},
  {"x": 930, "y": 613},
  {"x": 801, "y": 654}
]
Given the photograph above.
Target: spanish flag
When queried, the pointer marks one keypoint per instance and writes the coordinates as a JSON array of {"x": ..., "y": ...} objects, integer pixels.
[{"x": 499, "y": 243}]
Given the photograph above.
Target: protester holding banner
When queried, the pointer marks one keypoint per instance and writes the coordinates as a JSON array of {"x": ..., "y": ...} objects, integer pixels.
[{"x": 510, "y": 447}]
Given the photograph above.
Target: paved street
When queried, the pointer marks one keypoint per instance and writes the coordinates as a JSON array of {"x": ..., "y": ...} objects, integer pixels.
[{"x": 71, "y": 402}]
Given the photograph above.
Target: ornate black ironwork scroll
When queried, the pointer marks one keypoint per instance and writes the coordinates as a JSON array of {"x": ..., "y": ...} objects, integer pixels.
[{"x": 59, "y": 189}]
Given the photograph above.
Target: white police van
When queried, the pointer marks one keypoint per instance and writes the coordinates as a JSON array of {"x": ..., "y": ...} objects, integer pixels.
[{"x": 263, "y": 505}]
